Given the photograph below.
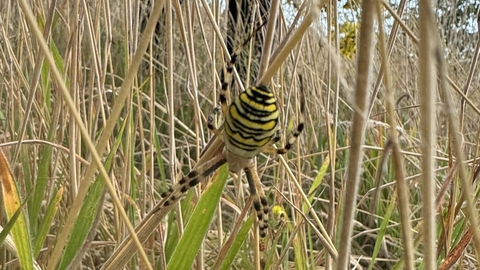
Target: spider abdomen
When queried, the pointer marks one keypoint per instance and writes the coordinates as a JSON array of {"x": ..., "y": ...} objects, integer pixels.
[{"x": 251, "y": 122}]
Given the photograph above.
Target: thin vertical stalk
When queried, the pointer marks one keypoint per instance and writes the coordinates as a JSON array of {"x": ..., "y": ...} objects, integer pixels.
[
  {"x": 267, "y": 46},
  {"x": 292, "y": 42},
  {"x": 332, "y": 129},
  {"x": 470, "y": 77},
  {"x": 427, "y": 86},
  {"x": 365, "y": 57},
  {"x": 454, "y": 124},
  {"x": 392, "y": 37},
  {"x": 170, "y": 91},
  {"x": 399, "y": 166}
]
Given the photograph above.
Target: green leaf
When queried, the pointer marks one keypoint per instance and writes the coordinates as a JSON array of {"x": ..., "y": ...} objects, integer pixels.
[
  {"x": 199, "y": 223},
  {"x": 383, "y": 229},
  {"x": 8, "y": 227},
  {"x": 13, "y": 202},
  {"x": 317, "y": 182},
  {"x": 88, "y": 213},
  {"x": 47, "y": 222},
  {"x": 238, "y": 241},
  {"x": 84, "y": 222},
  {"x": 40, "y": 185}
]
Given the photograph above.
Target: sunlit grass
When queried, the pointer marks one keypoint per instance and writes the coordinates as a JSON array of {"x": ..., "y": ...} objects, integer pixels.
[{"x": 93, "y": 50}]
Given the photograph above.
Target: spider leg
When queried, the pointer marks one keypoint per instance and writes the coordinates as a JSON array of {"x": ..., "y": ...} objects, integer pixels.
[
  {"x": 227, "y": 81},
  {"x": 227, "y": 74},
  {"x": 176, "y": 192},
  {"x": 294, "y": 135},
  {"x": 260, "y": 202},
  {"x": 211, "y": 122}
]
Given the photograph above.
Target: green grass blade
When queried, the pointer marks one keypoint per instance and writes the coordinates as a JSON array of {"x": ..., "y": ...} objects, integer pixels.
[
  {"x": 198, "y": 225},
  {"x": 237, "y": 244},
  {"x": 318, "y": 179},
  {"x": 299, "y": 253},
  {"x": 44, "y": 168},
  {"x": 158, "y": 148},
  {"x": 88, "y": 213},
  {"x": 43, "y": 177},
  {"x": 83, "y": 225},
  {"x": 383, "y": 229},
  {"x": 8, "y": 227},
  {"x": 173, "y": 235},
  {"x": 12, "y": 202},
  {"x": 47, "y": 222}
]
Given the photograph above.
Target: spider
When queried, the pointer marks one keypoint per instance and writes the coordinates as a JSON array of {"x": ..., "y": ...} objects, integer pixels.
[{"x": 251, "y": 126}]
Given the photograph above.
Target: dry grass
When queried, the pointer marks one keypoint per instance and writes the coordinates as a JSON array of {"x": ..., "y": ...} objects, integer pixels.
[{"x": 93, "y": 99}]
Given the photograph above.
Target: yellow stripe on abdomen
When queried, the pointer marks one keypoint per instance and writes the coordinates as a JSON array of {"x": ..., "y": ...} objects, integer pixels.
[{"x": 251, "y": 122}]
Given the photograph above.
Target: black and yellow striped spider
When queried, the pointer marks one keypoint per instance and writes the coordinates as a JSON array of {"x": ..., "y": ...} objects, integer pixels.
[{"x": 251, "y": 126}]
